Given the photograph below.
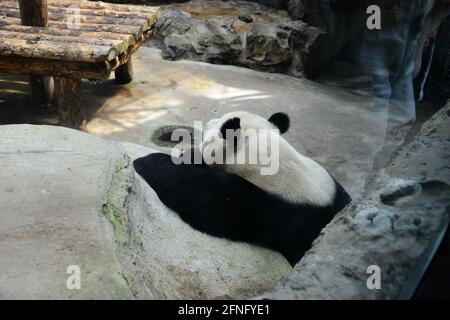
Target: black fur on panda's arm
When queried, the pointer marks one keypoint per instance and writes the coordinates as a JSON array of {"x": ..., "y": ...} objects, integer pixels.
[
  {"x": 225, "y": 205},
  {"x": 208, "y": 199}
]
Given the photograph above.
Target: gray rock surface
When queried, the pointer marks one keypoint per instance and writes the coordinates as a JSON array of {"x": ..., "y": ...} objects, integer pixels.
[
  {"x": 235, "y": 32},
  {"x": 69, "y": 198},
  {"x": 53, "y": 185},
  {"x": 397, "y": 226}
]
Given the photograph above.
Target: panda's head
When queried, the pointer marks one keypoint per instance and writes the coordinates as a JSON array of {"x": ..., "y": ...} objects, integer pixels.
[
  {"x": 243, "y": 139},
  {"x": 252, "y": 147}
]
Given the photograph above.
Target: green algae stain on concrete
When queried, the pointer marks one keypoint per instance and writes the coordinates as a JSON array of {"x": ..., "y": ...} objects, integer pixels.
[
  {"x": 113, "y": 214},
  {"x": 115, "y": 206}
]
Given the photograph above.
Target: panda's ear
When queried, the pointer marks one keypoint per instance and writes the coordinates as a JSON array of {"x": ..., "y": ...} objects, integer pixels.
[
  {"x": 281, "y": 121},
  {"x": 230, "y": 124}
]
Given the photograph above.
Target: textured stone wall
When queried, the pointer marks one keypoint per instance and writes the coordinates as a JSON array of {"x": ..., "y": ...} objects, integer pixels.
[{"x": 397, "y": 226}]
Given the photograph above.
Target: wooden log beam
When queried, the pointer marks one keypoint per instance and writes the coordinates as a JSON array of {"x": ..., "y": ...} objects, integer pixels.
[
  {"x": 48, "y": 67},
  {"x": 70, "y": 103},
  {"x": 136, "y": 31},
  {"x": 97, "y": 5},
  {"x": 62, "y": 15},
  {"x": 118, "y": 45},
  {"x": 35, "y": 13},
  {"x": 124, "y": 73},
  {"x": 110, "y": 12},
  {"x": 43, "y": 49},
  {"x": 127, "y": 39},
  {"x": 125, "y": 56}
]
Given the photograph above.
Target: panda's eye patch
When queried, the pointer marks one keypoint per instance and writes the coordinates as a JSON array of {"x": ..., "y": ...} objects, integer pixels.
[{"x": 230, "y": 124}]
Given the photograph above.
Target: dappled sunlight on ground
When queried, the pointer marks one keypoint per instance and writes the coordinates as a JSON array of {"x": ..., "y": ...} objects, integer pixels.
[{"x": 159, "y": 92}]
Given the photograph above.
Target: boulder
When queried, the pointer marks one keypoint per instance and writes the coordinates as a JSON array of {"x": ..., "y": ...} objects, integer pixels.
[
  {"x": 235, "y": 32},
  {"x": 69, "y": 199}
]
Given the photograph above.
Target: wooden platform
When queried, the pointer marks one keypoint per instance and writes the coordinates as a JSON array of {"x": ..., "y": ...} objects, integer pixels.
[{"x": 80, "y": 39}]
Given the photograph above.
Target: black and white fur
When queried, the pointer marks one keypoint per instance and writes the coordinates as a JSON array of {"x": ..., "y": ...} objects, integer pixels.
[{"x": 284, "y": 212}]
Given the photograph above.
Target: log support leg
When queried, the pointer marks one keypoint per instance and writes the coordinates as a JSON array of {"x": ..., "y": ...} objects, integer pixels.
[
  {"x": 70, "y": 103},
  {"x": 124, "y": 73},
  {"x": 37, "y": 91},
  {"x": 35, "y": 13},
  {"x": 41, "y": 90}
]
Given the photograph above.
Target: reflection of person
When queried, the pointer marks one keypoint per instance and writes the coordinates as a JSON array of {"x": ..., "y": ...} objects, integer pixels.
[{"x": 381, "y": 62}]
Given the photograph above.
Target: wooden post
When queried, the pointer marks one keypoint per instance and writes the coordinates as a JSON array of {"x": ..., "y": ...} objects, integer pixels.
[
  {"x": 35, "y": 13},
  {"x": 70, "y": 103},
  {"x": 124, "y": 73}
]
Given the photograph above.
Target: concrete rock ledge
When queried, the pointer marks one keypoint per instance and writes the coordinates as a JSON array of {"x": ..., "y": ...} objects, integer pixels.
[
  {"x": 397, "y": 226},
  {"x": 68, "y": 198}
]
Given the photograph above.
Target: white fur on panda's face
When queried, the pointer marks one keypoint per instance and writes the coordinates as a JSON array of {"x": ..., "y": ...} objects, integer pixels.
[
  {"x": 214, "y": 145},
  {"x": 297, "y": 178}
]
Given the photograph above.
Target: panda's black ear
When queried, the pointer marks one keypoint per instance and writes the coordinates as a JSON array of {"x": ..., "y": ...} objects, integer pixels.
[
  {"x": 281, "y": 121},
  {"x": 230, "y": 124}
]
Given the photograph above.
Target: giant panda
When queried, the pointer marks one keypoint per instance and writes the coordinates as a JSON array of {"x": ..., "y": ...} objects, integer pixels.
[{"x": 284, "y": 211}]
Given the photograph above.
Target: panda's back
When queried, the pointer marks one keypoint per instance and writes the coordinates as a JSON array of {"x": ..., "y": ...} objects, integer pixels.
[{"x": 225, "y": 205}]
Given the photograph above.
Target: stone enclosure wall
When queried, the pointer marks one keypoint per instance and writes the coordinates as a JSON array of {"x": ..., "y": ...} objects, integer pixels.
[
  {"x": 235, "y": 32},
  {"x": 397, "y": 226}
]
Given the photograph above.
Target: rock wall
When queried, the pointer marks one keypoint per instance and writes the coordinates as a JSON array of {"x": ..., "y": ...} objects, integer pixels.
[
  {"x": 397, "y": 226},
  {"x": 235, "y": 32}
]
